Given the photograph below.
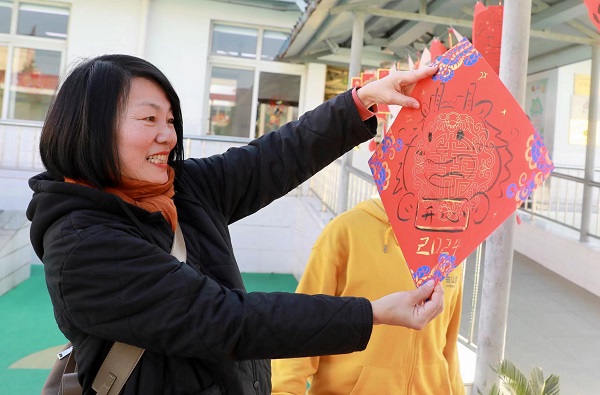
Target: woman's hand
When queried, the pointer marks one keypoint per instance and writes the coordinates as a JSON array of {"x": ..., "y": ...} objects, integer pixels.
[
  {"x": 412, "y": 309},
  {"x": 394, "y": 88}
]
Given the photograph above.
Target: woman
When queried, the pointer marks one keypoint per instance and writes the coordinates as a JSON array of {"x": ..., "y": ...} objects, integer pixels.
[{"x": 103, "y": 219}]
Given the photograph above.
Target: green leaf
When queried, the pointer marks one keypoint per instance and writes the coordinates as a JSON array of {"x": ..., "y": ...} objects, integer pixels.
[
  {"x": 512, "y": 378},
  {"x": 552, "y": 385},
  {"x": 494, "y": 390},
  {"x": 514, "y": 382},
  {"x": 536, "y": 384}
]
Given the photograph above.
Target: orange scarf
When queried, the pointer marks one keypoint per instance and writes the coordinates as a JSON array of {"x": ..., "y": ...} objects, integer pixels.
[{"x": 146, "y": 195}]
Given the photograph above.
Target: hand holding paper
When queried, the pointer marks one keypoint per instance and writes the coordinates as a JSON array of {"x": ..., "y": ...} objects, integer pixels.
[
  {"x": 411, "y": 309},
  {"x": 394, "y": 88}
]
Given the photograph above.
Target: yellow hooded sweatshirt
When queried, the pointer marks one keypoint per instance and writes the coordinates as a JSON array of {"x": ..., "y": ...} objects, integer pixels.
[{"x": 357, "y": 255}]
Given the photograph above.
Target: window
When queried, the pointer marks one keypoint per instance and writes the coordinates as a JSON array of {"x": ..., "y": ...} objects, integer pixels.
[
  {"x": 230, "y": 101},
  {"x": 272, "y": 42},
  {"x": 5, "y": 16},
  {"x": 42, "y": 21},
  {"x": 249, "y": 93},
  {"x": 32, "y": 46},
  {"x": 278, "y": 96},
  {"x": 33, "y": 83},
  {"x": 234, "y": 41},
  {"x": 3, "y": 52}
]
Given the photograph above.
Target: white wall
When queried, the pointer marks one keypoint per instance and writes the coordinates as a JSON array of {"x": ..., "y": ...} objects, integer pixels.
[
  {"x": 314, "y": 92},
  {"x": 279, "y": 238},
  {"x": 565, "y": 154},
  {"x": 98, "y": 27}
]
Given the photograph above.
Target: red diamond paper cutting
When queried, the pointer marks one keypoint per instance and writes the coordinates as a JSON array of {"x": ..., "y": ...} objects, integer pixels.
[{"x": 452, "y": 171}]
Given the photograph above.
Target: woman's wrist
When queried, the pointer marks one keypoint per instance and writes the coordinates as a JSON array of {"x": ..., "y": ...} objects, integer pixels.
[
  {"x": 366, "y": 100},
  {"x": 364, "y": 111}
]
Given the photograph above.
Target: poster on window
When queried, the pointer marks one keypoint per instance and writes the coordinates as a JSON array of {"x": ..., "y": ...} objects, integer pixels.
[{"x": 452, "y": 171}]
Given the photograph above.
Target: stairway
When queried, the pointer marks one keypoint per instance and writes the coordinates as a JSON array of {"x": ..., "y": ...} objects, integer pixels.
[{"x": 16, "y": 254}]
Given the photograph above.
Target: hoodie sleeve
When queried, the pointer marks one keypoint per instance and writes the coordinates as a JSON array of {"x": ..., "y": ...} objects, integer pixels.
[
  {"x": 451, "y": 349},
  {"x": 242, "y": 180},
  {"x": 321, "y": 276}
]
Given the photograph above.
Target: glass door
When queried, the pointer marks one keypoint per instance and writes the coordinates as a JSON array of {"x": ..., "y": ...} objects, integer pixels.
[{"x": 278, "y": 96}]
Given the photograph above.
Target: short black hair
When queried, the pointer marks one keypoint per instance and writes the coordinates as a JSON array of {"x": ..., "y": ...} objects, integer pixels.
[{"x": 78, "y": 138}]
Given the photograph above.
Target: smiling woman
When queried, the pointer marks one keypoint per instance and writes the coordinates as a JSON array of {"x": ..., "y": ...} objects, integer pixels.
[
  {"x": 117, "y": 190},
  {"x": 146, "y": 133}
]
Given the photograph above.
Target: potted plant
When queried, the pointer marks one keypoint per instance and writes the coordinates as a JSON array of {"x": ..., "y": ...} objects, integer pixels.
[{"x": 514, "y": 382}]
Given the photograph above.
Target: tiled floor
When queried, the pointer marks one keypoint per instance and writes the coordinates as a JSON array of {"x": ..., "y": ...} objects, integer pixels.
[{"x": 555, "y": 325}]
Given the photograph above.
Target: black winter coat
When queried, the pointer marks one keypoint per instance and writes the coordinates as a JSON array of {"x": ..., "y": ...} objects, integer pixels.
[{"x": 111, "y": 277}]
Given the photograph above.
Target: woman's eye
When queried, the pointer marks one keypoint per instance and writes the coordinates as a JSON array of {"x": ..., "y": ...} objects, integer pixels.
[
  {"x": 171, "y": 120},
  {"x": 151, "y": 118}
]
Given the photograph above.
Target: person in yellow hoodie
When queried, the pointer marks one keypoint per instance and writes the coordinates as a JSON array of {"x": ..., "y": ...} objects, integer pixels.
[{"x": 357, "y": 254}]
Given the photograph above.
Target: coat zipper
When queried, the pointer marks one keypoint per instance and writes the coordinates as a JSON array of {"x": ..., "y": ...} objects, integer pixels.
[{"x": 255, "y": 382}]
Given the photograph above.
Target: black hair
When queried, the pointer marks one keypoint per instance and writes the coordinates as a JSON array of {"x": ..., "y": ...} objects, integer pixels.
[{"x": 79, "y": 136}]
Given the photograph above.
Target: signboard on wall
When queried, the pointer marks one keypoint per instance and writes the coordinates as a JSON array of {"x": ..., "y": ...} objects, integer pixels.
[
  {"x": 535, "y": 104},
  {"x": 580, "y": 103}
]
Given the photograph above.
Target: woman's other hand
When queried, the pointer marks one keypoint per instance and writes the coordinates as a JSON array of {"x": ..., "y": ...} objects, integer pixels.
[
  {"x": 394, "y": 88},
  {"x": 411, "y": 309}
]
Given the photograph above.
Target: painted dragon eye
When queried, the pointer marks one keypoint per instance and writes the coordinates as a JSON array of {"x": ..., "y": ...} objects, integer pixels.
[
  {"x": 460, "y": 135},
  {"x": 430, "y": 136}
]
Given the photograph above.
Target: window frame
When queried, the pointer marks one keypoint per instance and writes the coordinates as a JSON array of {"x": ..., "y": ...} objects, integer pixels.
[
  {"x": 257, "y": 65},
  {"x": 12, "y": 40}
]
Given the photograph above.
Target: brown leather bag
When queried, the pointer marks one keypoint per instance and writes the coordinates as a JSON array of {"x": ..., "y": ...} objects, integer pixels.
[
  {"x": 114, "y": 372},
  {"x": 118, "y": 364},
  {"x": 62, "y": 379}
]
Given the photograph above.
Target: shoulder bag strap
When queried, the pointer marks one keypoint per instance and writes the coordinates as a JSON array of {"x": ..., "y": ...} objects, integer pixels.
[
  {"x": 116, "y": 368},
  {"x": 123, "y": 358}
]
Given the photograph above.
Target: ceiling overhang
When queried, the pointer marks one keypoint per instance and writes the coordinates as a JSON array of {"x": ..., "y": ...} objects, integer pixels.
[{"x": 561, "y": 32}]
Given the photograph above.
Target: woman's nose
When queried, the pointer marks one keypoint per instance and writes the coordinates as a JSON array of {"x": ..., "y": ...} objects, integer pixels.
[{"x": 167, "y": 136}]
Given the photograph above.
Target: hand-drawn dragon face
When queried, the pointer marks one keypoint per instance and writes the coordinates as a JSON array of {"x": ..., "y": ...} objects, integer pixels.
[{"x": 454, "y": 163}]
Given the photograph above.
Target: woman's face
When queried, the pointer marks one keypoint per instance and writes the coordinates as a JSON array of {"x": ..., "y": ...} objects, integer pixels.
[{"x": 146, "y": 133}]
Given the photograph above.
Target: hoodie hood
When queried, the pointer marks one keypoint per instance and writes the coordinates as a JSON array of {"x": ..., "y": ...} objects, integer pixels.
[{"x": 374, "y": 207}]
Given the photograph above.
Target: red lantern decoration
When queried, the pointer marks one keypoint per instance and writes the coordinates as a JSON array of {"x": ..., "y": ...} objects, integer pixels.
[
  {"x": 372, "y": 145},
  {"x": 356, "y": 82},
  {"x": 593, "y": 7},
  {"x": 487, "y": 32}
]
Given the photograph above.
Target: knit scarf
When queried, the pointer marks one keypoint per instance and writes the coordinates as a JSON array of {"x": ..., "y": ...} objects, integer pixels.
[{"x": 149, "y": 196}]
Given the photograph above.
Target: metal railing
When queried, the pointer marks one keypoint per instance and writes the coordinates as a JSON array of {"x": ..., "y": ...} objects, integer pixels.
[
  {"x": 324, "y": 185},
  {"x": 19, "y": 145},
  {"x": 560, "y": 200}
]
